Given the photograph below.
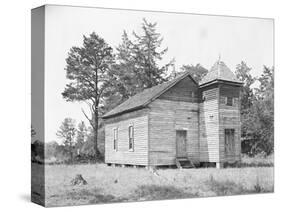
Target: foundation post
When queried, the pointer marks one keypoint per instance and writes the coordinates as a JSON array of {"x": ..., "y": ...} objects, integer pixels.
[{"x": 219, "y": 165}]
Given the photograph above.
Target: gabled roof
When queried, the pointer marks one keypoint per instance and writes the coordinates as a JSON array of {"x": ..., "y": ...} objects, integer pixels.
[
  {"x": 219, "y": 71},
  {"x": 143, "y": 98}
]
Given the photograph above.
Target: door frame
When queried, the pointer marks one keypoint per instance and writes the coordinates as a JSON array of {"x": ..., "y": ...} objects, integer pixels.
[
  {"x": 233, "y": 145},
  {"x": 185, "y": 143}
]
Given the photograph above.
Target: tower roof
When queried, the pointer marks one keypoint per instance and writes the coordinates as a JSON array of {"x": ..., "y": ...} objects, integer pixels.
[{"x": 219, "y": 71}]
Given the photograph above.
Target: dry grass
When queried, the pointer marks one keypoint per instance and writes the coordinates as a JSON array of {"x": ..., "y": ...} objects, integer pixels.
[
  {"x": 116, "y": 184},
  {"x": 157, "y": 192},
  {"x": 258, "y": 161}
]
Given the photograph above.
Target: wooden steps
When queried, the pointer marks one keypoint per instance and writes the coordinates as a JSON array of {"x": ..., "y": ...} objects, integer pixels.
[{"x": 184, "y": 162}]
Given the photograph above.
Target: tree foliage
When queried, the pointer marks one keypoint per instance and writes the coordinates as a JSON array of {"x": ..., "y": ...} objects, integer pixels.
[
  {"x": 243, "y": 73},
  {"x": 196, "y": 71},
  {"x": 76, "y": 146},
  {"x": 137, "y": 65},
  {"x": 67, "y": 132},
  {"x": 257, "y": 111},
  {"x": 147, "y": 53},
  {"x": 81, "y": 136},
  {"x": 87, "y": 71},
  {"x": 264, "y": 111}
]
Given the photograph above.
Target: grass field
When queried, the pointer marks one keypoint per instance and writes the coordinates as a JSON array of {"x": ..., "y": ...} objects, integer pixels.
[{"x": 116, "y": 184}]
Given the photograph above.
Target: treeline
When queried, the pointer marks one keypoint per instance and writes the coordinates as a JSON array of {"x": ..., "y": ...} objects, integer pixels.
[
  {"x": 257, "y": 110},
  {"x": 75, "y": 145},
  {"x": 102, "y": 77}
]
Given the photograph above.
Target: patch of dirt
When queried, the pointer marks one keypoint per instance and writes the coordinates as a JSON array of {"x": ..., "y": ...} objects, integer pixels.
[{"x": 78, "y": 180}]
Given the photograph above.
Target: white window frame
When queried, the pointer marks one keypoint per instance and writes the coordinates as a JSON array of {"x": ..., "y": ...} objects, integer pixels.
[
  {"x": 231, "y": 100},
  {"x": 131, "y": 149},
  {"x": 192, "y": 94},
  {"x": 203, "y": 97},
  {"x": 115, "y": 139}
]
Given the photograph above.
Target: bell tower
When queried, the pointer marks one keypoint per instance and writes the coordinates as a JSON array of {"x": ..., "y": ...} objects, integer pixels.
[{"x": 219, "y": 111}]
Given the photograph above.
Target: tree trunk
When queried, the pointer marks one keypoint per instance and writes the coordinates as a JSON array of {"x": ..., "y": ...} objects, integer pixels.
[
  {"x": 96, "y": 151},
  {"x": 94, "y": 122}
]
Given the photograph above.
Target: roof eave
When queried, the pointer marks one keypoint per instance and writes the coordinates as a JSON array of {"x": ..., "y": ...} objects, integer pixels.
[
  {"x": 220, "y": 81},
  {"x": 123, "y": 112}
]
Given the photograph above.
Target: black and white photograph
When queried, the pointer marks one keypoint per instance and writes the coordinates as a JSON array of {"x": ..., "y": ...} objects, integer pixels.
[{"x": 132, "y": 106}]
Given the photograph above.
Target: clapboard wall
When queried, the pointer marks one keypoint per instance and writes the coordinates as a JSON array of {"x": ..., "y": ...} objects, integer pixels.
[
  {"x": 214, "y": 117},
  {"x": 176, "y": 109},
  {"x": 139, "y": 156},
  {"x": 165, "y": 118},
  {"x": 229, "y": 118},
  {"x": 202, "y": 112},
  {"x": 209, "y": 124},
  {"x": 186, "y": 91}
]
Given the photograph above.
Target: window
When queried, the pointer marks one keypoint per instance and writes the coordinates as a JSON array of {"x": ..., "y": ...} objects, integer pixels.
[
  {"x": 192, "y": 94},
  {"x": 115, "y": 139},
  {"x": 229, "y": 141},
  {"x": 131, "y": 138},
  {"x": 229, "y": 101},
  {"x": 203, "y": 97}
]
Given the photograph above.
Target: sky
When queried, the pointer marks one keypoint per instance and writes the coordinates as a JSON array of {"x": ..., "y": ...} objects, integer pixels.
[{"x": 190, "y": 39}]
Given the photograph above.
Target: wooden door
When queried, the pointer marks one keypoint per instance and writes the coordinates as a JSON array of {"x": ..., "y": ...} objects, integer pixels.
[
  {"x": 181, "y": 143},
  {"x": 229, "y": 142}
]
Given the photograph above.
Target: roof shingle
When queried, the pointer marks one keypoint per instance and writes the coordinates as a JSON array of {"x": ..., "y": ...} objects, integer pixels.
[{"x": 219, "y": 71}]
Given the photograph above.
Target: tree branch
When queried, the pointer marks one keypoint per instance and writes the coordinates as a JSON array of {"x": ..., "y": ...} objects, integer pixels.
[{"x": 85, "y": 115}]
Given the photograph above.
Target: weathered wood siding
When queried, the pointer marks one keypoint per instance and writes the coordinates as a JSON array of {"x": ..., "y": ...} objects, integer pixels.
[
  {"x": 165, "y": 118},
  {"x": 185, "y": 90},
  {"x": 209, "y": 124},
  {"x": 203, "y": 113},
  {"x": 139, "y": 156},
  {"x": 229, "y": 118}
]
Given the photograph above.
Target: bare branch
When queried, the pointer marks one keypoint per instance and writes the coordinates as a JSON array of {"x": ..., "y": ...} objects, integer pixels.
[
  {"x": 90, "y": 106},
  {"x": 86, "y": 115}
]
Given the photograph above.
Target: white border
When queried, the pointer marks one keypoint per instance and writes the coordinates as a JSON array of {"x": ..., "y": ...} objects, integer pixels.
[{"x": 15, "y": 103}]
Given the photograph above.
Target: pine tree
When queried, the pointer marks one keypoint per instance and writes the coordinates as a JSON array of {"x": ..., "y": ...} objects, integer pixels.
[
  {"x": 147, "y": 53},
  {"x": 87, "y": 70},
  {"x": 123, "y": 81},
  {"x": 136, "y": 65},
  {"x": 67, "y": 133},
  {"x": 81, "y": 136}
]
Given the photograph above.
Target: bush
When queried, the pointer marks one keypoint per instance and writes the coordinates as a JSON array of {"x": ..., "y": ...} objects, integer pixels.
[
  {"x": 79, "y": 153},
  {"x": 37, "y": 152}
]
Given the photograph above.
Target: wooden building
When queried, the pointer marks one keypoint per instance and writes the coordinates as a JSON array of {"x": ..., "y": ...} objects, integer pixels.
[{"x": 178, "y": 121}]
